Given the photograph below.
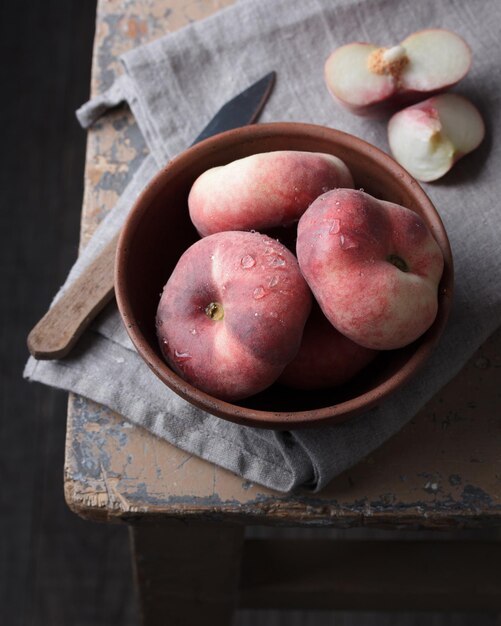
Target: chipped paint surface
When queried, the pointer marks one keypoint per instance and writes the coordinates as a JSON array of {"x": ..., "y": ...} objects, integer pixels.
[
  {"x": 115, "y": 146},
  {"x": 442, "y": 470},
  {"x": 425, "y": 476}
]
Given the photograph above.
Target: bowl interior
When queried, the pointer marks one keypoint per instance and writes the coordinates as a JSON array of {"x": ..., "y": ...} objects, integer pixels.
[{"x": 159, "y": 230}]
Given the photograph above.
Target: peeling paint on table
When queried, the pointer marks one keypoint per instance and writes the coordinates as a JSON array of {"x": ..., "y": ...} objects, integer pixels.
[
  {"x": 442, "y": 470},
  {"x": 427, "y": 475}
]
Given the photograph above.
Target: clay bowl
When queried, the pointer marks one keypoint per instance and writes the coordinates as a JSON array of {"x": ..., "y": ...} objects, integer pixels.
[{"x": 158, "y": 230}]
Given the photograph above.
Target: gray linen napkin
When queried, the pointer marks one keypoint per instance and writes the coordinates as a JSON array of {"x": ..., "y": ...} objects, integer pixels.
[{"x": 173, "y": 86}]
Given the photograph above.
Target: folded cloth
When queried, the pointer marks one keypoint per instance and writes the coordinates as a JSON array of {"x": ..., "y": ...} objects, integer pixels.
[{"x": 173, "y": 86}]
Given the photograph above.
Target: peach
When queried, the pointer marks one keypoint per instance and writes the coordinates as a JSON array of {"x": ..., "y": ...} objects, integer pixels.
[
  {"x": 263, "y": 190},
  {"x": 429, "y": 137},
  {"x": 373, "y": 266},
  {"x": 326, "y": 358},
  {"x": 371, "y": 80},
  {"x": 232, "y": 313}
]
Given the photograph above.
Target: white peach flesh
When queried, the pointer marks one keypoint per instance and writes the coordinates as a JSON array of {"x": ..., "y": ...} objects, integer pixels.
[{"x": 429, "y": 137}]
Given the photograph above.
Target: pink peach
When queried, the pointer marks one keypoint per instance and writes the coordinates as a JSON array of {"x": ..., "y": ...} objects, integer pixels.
[
  {"x": 373, "y": 266},
  {"x": 326, "y": 358},
  {"x": 372, "y": 80},
  {"x": 263, "y": 190},
  {"x": 232, "y": 313}
]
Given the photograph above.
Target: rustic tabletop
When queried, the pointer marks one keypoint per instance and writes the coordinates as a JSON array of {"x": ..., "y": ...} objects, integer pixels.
[{"x": 442, "y": 470}]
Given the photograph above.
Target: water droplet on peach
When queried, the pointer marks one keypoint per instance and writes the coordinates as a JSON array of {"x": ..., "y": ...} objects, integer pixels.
[
  {"x": 335, "y": 226},
  {"x": 277, "y": 261},
  {"x": 248, "y": 261},
  {"x": 259, "y": 293},
  {"x": 273, "y": 282},
  {"x": 181, "y": 357},
  {"x": 346, "y": 242}
]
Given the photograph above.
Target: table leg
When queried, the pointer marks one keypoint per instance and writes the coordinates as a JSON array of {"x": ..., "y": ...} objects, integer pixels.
[{"x": 187, "y": 573}]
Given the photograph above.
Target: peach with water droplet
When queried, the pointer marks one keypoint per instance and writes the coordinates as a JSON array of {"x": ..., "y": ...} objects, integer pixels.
[
  {"x": 263, "y": 191},
  {"x": 247, "y": 301},
  {"x": 376, "y": 274}
]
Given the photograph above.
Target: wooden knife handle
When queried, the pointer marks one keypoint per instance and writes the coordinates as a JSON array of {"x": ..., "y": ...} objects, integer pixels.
[{"x": 60, "y": 328}]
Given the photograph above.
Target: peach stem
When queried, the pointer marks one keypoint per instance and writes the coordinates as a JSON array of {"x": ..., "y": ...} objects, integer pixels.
[
  {"x": 215, "y": 311},
  {"x": 398, "y": 262}
]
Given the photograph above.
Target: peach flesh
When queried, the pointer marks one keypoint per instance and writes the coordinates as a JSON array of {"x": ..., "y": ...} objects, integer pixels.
[
  {"x": 370, "y": 80},
  {"x": 263, "y": 191},
  {"x": 373, "y": 267},
  {"x": 232, "y": 313},
  {"x": 429, "y": 137}
]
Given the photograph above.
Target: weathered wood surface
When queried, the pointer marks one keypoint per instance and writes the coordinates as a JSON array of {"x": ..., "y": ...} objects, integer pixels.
[{"x": 442, "y": 470}]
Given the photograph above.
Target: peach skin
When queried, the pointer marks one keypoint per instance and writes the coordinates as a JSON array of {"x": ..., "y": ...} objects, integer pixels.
[
  {"x": 263, "y": 190},
  {"x": 326, "y": 358},
  {"x": 373, "y": 267},
  {"x": 232, "y": 313}
]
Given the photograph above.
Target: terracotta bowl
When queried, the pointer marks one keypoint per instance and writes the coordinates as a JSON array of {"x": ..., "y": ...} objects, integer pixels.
[{"x": 159, "y": 229}]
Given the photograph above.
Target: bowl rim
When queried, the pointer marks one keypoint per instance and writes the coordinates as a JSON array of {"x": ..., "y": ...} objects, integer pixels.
[{"x": 286, "y": 420}]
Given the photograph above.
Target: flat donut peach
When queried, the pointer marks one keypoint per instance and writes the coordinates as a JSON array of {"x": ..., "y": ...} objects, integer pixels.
[
  {"x": 263, "y": 190},
  {"x": 373, "y": 267},
  {"x": 232, "y": 313},
  {"x": 326, "y": 358}
]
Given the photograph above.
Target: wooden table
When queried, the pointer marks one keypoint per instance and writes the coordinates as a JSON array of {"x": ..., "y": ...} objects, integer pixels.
[{"x": 443, "y": 470}]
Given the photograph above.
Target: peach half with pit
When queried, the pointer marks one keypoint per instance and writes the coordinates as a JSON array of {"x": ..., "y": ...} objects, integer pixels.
[
  {"x": 232, "y": 313},
  {"x": 372, "y": 80},
  {"x": 263, "y": 191},
  {"x": 372, "y": 265}
]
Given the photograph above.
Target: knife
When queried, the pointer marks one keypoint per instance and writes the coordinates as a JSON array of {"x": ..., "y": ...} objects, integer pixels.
[{"x": 57, "y": 332}]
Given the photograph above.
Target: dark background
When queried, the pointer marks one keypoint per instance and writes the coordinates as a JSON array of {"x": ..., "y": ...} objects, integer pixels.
[{"x": 55, "y": 569}]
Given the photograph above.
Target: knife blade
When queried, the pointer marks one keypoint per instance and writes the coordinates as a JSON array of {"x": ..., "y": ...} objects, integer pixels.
[{"x": 58, "y": 331}]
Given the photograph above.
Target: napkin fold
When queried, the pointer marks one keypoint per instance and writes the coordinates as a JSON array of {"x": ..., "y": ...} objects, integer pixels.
[{"x": 173, "y": 86}]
